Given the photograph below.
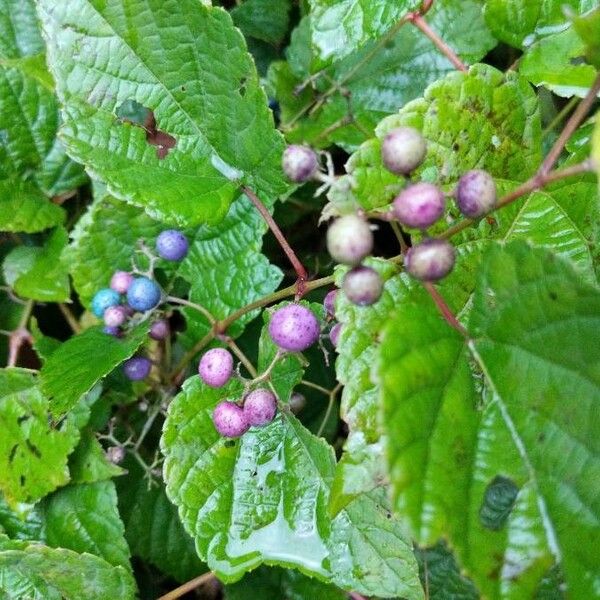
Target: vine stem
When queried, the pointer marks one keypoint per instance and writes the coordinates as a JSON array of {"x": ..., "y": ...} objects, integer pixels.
[
  {"x": 289, "y": 252},
  {"x": 19, "y": 335},
  {"x": 198, "y": 307},
  {"x": 242, "y": 357},
  {"x": 188, "y": 586},
  {"x": 332, "y": 395},
  {"x": 445, "y": 309},
  {"x": 574, "y": 120},
  {"x": 69, "y": 318}
]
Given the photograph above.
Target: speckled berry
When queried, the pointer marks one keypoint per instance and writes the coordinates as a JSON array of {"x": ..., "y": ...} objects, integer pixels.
[
  {"x": 419, "y": 205},
  {"x": 362, "y": 286},
  {"x": 476, "y": 193},
  {"x": 115, "y": 316},
  {"x": 329, "y": 302},
  {"x": 260, "y": 406},
  {"x": 216, "y": 367},
  {"x": 334, "y": 334},
  {"x": 137, "y": 368},
  {"x": 349, "y": 239},
  {"x": 114, "y": 331},
  {"x": 160, "y": 330},
  {"x": 172, "y": 245},
  {"x": 120, "y": 281},
  {"x": 430, "y": 260},
  {"x": 294, "y": 328},
  {"x": 299, "y": 163},
  {"x": 143, "y": 294},
  {"x": 103, "y": 299},
  {"x": 230, "y": 420},
  {"x": 297, "y": 402},
  {"x": 403, "y": 150}
]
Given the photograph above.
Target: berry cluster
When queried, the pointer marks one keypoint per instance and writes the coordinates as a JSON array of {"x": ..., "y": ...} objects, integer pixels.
[
  {"x": 131, "y": 293},
  {"x": 293, "y": 328}
]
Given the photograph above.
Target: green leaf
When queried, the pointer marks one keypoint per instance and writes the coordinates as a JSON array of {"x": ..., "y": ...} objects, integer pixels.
[
  {"x": 552, "y": 62},
  {"x": 30, "y": 570},
  {"x": 534, "y": 317},
  {"x": 274, "y": 584},
  {"x": 33, "y": 453},
  {"x": 42, "y": 344},
  {"x": 212, "y": 125},
  {"x": 82, "y": 361},
  {"x": 38, "y": 272},
  {"x": 89, "y": 463},
  {"x": 85, "y": 518},
  {"x": 263, "y": 499},
  {"x": 23, "y": 523},
  {"x": 520, "y": 22},
  {"x": 265, "y": 20},
  {"x": 588, "y": 29},
  {"x": 596, "y": 147},
  {"x": 23, "y": 207},
  {"x": 19, "y": 32},
  {"x": 153, "y": 529}
]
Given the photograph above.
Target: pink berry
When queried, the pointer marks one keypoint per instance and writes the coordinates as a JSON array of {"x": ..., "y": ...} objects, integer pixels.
[
  {"x": 403, "y": 150},
  {"x": 419, "y": 205},
  {"x": 476, "y": 193},
  {"x": 362, "y": 286},
  {"x": 260, "y": 407},
  {"x": 299, "y": 163},
  {"x": 294, "y": 328},
  {"x": 349, "y": 239},
  {"x": 120, "y": 281},
  {"x": 334, "y": 334},
  {"x": 159, "y": 330},
  {"x": 430, "y": 260},
  {"x": 329, "y": 302},
  {"x": 297, "y": 402},
  {"x": 216, "y": 367},
  {"x": 230, "y": 420},
  {"x": 115, "y": 316}
]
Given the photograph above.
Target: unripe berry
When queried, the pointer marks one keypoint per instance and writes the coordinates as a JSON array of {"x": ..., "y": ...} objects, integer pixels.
[
  {"x": 137, "y": 368},
  {"x": 120, "y": 281},
  {"x": 294, "y": 328},
  {"x": 299, "y": 163},
  {"x": 115, "y": 454},
  {"x": 419, "y": 205},
  {"x": 297, "y": 402},
  {"x": 114, "y": 331},
  {"x": 403, "y": 150},
  {"x": 349, "y": 239},
  {"x": 334, "y": 334},
  {"x": 160, "y": 330},
  {"x": 172, "y": 245},
  {"x": 230, "y": 420},
  {"x": 430, "y": 260},
  {"x": 476, "y": 193},
  {"x": 329, "y": 302},
  {"x": 363, "y": 286},
  {"x": 216, "y": 367},
  {"x": 115, "y": 316},
  {"x": 143, "y": 294},
  {"x": 260, "y": 407},
  {"x": 103, "y": 299}
]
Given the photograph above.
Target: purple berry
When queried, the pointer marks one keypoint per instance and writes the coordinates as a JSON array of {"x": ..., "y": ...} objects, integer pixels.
[
  {"x": 216, "y": 367},
  {"x": 299, "y": 163},
  {"x": 419, "y": 205},
  {"x": 103, "y": 299},
  {"x": 160, "y": 330},
  {"x": 297, "y": 402},
  {"x": 363, "y": 286},
  {"x": 137, "y": 368},
  {"x": 349, "y": 239},
  {"x": 476, "y": 193},
  {"x": 260, "y": 407},
  {"x": 120, "y": 281},
  {"x": 172, "y": 245},
  {"x": 143, "y": 294},
  {"x": 403, "y": 150},
  {"x": 114, "y": 331},
  {"x": 430, "y": 260},
  {"x": 334, "y": 334},
  {"x": 329, "y": 302},
  {"x": 230, "y": 420},
  {"x": 115, "y": 316},
  {"x": 294, "y": 328}
]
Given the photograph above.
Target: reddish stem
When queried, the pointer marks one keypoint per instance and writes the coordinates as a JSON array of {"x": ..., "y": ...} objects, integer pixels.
[
  {"x": 444, "y": 309},
  {"x": 266, "y": 215}
]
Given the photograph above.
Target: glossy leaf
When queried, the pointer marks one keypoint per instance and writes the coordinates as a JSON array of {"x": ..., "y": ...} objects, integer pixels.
[
  {"x": 82, "y": 361},
  {"x": 31, "y": 570},
  {"x": 213, "y": 130},
  {"x": 22, "y": 523},
  {"x": 286, "y": 473},
  {"x": 587, "y": 28},
  {"x": 84, "y": 518},
  {"x": 265, "y": 20}
]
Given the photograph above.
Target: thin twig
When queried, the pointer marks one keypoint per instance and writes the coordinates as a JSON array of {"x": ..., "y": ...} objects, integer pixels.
[
  {"x": 566, "y": 109},
  {"x": 20, "y": 335},
  {"x": 69, "y": 318},
  {"x": 198, "y": 307},
  {"x": 242, "y": 357},
  {"x": 188, "y": 586},
  {"x": 398, "y": 231},
  {"x": 332, "y": 396},
  {"x": 315, "y": 386}
]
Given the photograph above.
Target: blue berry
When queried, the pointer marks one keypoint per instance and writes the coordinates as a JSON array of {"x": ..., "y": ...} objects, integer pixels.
[
  {"x": 172, "y": 245},
  {"x": 143, "y": 294},
  {"x": 137, "y": 368},
  {"x": 103, "y": 299}
]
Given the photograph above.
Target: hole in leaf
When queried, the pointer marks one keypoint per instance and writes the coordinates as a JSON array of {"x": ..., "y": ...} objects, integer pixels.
[
  {"x": 22, "y": 480},
  {"x": 498, "y": 500},
  {"x": 22, "y": 419},
  {"x": 11, "y": 454},
  {"x": 33, "y": 449},
  {"x": 242, "y": 88}
]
